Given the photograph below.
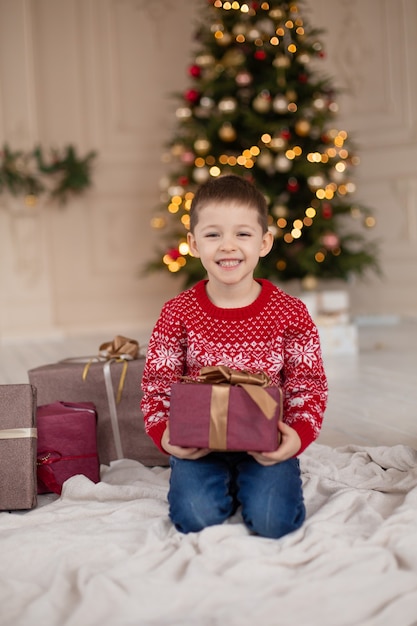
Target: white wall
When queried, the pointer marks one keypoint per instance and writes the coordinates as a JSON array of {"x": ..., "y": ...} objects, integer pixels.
[
  {"x": 371, "y": 48},
  {"x": 98, "y": 74}
]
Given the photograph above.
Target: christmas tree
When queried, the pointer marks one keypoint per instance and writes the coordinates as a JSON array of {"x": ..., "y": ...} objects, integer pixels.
[{"x": 257, "y": 106}]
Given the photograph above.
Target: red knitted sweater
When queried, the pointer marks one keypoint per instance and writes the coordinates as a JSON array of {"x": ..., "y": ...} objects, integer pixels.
[{"x": 275, "y": 334}]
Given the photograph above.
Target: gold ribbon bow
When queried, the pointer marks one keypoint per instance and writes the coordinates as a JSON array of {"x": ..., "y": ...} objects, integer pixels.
[
  {"x": 221, "y": 377},
  {"x": 120, "y": 348}
]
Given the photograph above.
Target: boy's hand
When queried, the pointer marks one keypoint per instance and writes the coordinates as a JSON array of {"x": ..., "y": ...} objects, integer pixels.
[
  {"x": 178, "y": 451},
  {"x": 288, "y": 447}
]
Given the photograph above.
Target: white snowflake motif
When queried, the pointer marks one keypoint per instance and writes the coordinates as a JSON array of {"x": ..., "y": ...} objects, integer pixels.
[
  {"x": 239, "y": 361},
  {"x": 296, "y": 402},
  {"x": 167, "y": 357},
  {"x": 275, "y": 362},
  {"x": 155, "y": 419},
  {"x": 306, "y": 354},
  {"x": 194, "y": 356}
]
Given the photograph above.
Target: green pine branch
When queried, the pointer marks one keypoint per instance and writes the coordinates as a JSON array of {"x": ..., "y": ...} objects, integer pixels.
[{"x": 58, "y": 175}]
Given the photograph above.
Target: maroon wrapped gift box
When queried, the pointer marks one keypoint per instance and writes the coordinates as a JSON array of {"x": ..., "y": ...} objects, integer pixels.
[
  {"x": 67, "y": 444},
  {"x": 225, "y": 416},
  {"x": 18, "y": 446},
  {"x": 63, "y": 381}
]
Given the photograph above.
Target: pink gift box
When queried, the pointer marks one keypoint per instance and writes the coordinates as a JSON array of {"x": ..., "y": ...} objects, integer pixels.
[
  {"x": 67, "y": 444},
  {"x": 239, "y": 424}
]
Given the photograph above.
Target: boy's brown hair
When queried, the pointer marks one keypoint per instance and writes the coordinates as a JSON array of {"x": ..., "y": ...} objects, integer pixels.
[{"x": 229, "y": 188}]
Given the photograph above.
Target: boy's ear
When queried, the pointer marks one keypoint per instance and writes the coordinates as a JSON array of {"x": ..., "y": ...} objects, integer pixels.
[
  {"x": 267, "y": 243},
  {"x": 192, "y": 245}
]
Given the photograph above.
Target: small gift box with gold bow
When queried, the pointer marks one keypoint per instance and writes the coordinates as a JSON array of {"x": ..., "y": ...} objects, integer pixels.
[
  {"x": 111, "y": 381},
  {"x": 226, "y": 409},
  {"x": 18, "y": 444}
]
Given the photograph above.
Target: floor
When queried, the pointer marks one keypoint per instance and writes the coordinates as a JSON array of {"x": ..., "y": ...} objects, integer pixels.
[{"x": 372, "y": 395}]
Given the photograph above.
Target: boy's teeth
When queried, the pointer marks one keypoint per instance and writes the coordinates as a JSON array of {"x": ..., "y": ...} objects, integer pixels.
[{"x": 228, "y": 263}]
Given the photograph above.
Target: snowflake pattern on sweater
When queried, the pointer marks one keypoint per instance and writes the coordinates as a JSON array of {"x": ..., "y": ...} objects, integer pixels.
[{"x": 275, "y": 334}]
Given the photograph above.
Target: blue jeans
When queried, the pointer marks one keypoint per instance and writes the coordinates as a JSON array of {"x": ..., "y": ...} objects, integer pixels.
[{"x": 207, "y": 491}]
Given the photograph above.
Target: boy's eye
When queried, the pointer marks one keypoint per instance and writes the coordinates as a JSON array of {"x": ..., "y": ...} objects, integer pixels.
[
  {"x": 211, "y": 235},
  {"x": 244, "y": 234}
]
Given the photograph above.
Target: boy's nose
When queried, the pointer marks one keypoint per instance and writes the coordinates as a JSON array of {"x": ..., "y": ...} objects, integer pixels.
[{"x": 228, "y": 243}]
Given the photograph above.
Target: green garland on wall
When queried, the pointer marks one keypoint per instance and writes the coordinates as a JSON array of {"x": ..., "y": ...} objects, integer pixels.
[{"x": 56, "y": 175}]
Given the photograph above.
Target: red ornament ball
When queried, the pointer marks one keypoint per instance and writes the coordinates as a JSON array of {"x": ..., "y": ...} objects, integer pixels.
[
  {"x": 327, "y": 211},
  {"x": 192, "y": 95},
  {"x": 260, "y": 55},
  {"x": 293, "y": 185},
  {"x": 183, "y": 181},
  {"x": 194, "y": 71},
  {"x": 174, "y": 253},
  {"x": 302, "y": 78},
  {"x": 285, "y": 134}
]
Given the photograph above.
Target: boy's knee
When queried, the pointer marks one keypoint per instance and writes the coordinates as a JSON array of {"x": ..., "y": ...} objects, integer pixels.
[
  {"x": 195, "y": 515},
  {"x": 274, "y": 525}
]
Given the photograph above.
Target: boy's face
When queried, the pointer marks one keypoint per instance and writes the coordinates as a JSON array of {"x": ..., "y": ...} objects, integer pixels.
[{"x": 229, "y": 240}]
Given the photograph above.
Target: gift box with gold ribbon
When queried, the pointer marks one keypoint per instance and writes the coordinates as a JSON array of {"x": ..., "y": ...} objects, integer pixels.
[
  {"x": 111, "y": 381},
  {"x": 18, "y": 445},
  {"x": 226, "y": 409}
]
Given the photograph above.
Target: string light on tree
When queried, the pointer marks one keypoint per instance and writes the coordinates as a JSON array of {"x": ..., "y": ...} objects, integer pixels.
[{"x": 257, "y": 105}]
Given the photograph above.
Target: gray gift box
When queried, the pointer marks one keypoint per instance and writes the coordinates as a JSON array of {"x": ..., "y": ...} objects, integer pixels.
[
  {"x": 120, "y": 426},
  {"x": 18, "y": 447}
]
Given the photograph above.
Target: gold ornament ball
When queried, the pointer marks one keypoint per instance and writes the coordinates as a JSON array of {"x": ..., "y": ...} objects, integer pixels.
[
  {"x": 239, "y": 29},
  {"x": 276, "y": 14},
  {"x": 282, "y": 164},
  {"x": 183, "y": 113},
  {"x": 304, "y": 58},
  {"x": 281, "y": 61},
  {"x": 280, "y": 210},
  {"x": 292, "y": 95},
  {"x": 227, "y": 132},
  {"x": 262, "y": 104},
  {"x": 207, "y": 103},
  {"x": 278, "y": 143},
  {"x": 302, "y": 128},
  {"x": 205, "y": 60},
  {"x": 177, "y": 149},
  {"x": 227, "y": 105},
  {"x": 319, "y": 103},
  {"x": 202, "y": 145},
  {"x": 309, "y": 283},
  {"x": 265, "y": 159},
  {"x": 225, "y": 40},
  {"x": 175, "y": 190},
  {"x": 315, "y": 182},
  {"x": 201, "y": 174},
  {"x": 233, "y": 58},
  {"x": 253, "y": 34},
  {"x": 280, "y": 104}
]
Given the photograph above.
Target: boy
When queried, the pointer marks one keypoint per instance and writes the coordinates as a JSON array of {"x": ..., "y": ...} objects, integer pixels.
[{"x": 234, "y": 320}]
